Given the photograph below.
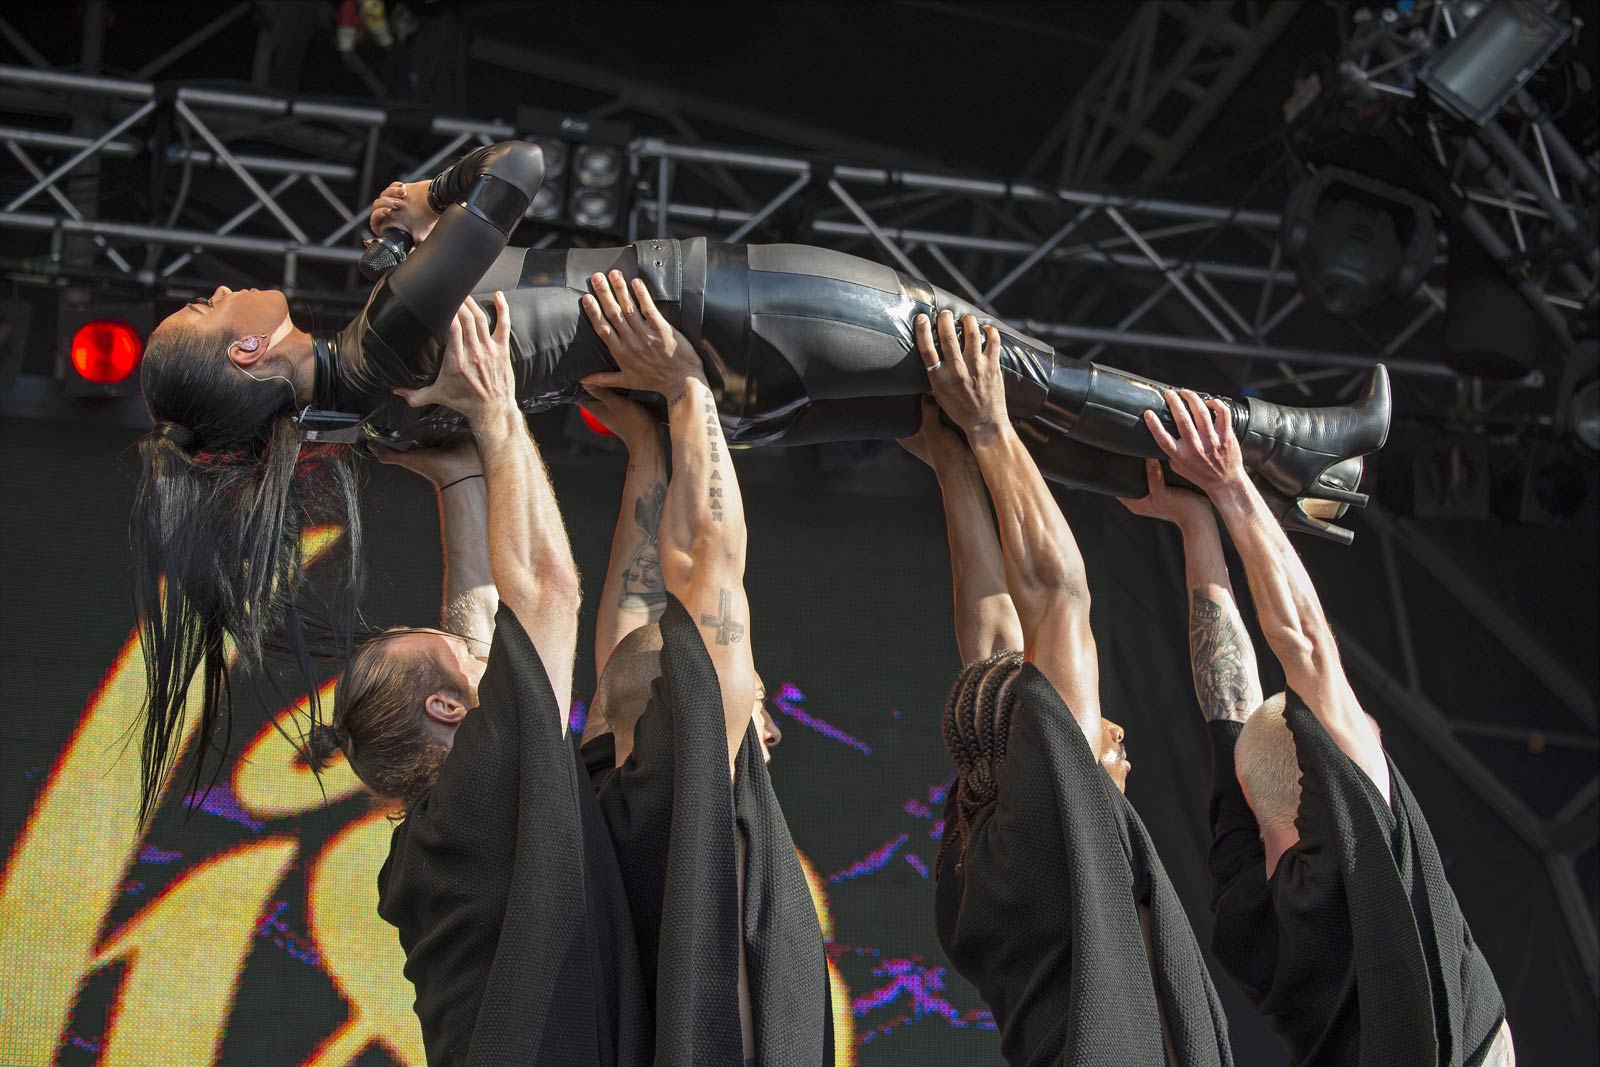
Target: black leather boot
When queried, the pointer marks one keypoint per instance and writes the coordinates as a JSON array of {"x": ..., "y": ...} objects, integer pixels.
[{"x": 1289, "y": 448}]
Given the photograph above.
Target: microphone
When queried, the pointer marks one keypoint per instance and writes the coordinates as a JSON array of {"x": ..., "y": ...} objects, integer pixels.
[{"x": 385, "y": 252}]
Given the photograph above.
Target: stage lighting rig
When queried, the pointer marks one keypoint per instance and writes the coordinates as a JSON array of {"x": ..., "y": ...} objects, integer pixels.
[
  {"x": 1356, "y": 241},
  {"x": 1468, "y": 105},
  {"x": 589, "y": 173}
]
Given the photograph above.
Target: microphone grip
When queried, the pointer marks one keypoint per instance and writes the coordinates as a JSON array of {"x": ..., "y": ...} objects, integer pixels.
[{"x": 385, "y": 252}]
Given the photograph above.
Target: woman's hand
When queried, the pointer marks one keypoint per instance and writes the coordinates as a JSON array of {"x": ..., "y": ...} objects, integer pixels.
[
  {"x": 1177, "y": 506},
  {"x": 404, "y": 204},
  {"x": 650, "y": 352},
  {"x": 623, "y": 417},
  {"x": 441, "y": 464},
  {"x": 965, "y": 374},
  {"x": 475, "y": 376}
]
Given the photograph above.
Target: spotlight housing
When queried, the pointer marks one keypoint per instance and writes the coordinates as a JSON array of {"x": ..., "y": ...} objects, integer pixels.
[{"x": 1491, "y": 58}]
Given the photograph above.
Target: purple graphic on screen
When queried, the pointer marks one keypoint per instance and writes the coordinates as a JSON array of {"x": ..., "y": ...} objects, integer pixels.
[
  {"x": 872, "y": 861},
  {"x": 220, "y": 801},
  {"x": 153, "y": 854},
  {"x": 579, "y": 717},
  {"x": 293, "y": 942},
  {"x": 916, "y": 864},
  {"x": 788, "y": 700},
  {"x": 918, "y": 991}
]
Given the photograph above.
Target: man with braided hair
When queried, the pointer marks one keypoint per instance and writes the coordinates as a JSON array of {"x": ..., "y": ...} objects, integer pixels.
[{"x": 1050, "y": 899}]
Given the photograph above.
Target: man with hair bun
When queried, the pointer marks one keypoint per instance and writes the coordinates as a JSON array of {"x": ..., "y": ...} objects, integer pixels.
[
  {"x": 1329, "y": 902},
  {"x": 1050, "y": 897},
  {"x": 500, "y": 880}
]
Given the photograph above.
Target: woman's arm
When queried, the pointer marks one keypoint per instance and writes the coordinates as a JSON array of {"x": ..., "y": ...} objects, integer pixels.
[{"x": 480, "y": 200}]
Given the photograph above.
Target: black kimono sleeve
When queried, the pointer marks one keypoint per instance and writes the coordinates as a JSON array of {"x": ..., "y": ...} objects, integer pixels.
[
  {"x": 1244, "y": 933},
  {"x": 672, "y": 811},
  {"x": 505, "y": 892},
  {"x": 1424, "y": 992},
  {"x": 1043, "y": 917}
]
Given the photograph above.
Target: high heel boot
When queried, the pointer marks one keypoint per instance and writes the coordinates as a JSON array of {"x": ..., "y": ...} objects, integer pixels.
[{"x": 1291, "y": 449}]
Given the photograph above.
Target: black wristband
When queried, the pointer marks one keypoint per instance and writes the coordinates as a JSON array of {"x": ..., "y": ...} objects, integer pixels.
[{"x": 458, "y": 481}]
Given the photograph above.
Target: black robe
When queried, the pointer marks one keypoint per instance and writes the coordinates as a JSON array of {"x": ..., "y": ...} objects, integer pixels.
[
  {"x": 1042, "y": 912},
  {"x": 672, "y": 812},
  {"x": 506, "y": 894},
  {"x": 1355, "y": 949}
]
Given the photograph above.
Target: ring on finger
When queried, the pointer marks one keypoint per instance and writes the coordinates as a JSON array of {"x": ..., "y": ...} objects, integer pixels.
[{"x": 935, "y": 365}]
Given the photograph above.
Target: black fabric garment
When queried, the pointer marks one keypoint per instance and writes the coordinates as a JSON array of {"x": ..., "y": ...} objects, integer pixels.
[
  {"x": 1041, "y": 914},
  {"x": 1355, "y": 948},
  {"x": 599, "y": 757},
  {"x": 672, "y": 812},
  {"x": 506, "y": 894}
]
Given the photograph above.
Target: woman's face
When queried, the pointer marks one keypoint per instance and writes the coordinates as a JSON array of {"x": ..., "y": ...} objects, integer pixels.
[{"x": 235, "y": 315}]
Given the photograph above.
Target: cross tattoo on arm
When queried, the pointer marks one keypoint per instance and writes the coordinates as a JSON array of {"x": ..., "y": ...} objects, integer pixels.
[{"x": 728, "y": 631}]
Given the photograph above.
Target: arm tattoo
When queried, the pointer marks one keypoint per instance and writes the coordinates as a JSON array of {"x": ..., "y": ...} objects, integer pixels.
[
  {"x": 728, "y": 631},
  {"x": 1221, "y": 683},
  {"x": 642, "y": 586}
]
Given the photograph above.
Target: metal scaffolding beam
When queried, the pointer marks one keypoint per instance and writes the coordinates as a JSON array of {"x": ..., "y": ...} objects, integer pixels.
[{"x": 1131, "y": 236}]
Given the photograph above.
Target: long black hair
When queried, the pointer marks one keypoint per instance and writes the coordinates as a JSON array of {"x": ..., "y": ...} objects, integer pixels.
[
  {"x": 976, "y": 724},
  {"x": 225, "y": 492}
]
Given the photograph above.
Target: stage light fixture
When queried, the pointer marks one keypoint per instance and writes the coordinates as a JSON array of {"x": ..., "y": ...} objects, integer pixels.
[
  {"x": 593, "y": 208},
  {"x": 100, "y": 343},
  {"x": 106, "y": 351},
  {"x": 1492, "y": 57},
  {"x": 586, "y": 168},
  {"x": 599, "y": 166},
  {"x": 1356, "y": 241}
]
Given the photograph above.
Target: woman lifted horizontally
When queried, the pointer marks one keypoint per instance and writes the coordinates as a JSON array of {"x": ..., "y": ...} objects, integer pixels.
[{"x": 799, "y": 344}]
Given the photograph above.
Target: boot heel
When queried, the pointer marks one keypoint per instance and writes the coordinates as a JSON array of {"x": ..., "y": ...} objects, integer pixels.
[
  {"x": 1324, "y": 490},
  {"x": 1296, "y": 521},
  {"x": 1292, "y": 517}
]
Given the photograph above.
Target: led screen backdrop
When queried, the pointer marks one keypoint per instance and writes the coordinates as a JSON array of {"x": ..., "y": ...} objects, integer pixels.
[
  {"x": 243, "y": 932},
  {"x": 241, "y": 928}
]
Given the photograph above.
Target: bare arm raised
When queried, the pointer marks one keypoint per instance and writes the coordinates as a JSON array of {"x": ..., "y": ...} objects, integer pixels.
[
  {"x": 1227, "y": 683},
  {"x": 1044, "y": 570},
  {"x": 1206, "y": 452},
  {"x": 634, "y": 593},
  {"x": 986, "y": 619},
  {"x": 456, "y": 473},
  {"x": 529, "y": 555},
  {"x": 702, "y": 542}
]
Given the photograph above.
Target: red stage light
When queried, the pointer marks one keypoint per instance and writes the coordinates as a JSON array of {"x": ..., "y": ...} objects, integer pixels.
[
  {"x": 594, "y": 424},
  {"x": 106, "y": 351}
]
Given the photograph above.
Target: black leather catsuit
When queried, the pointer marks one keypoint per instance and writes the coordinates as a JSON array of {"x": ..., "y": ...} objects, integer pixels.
[{"x": 800, "y": 344}]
